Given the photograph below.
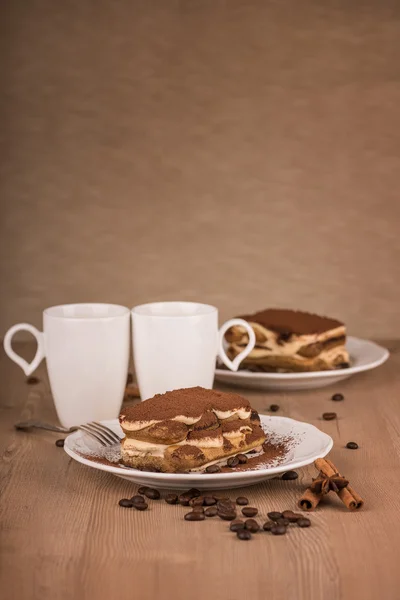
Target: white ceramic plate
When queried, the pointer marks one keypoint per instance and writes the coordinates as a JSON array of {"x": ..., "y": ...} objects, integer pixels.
[
  {"x": 364, "y": 355},
  {"x": 309, "y": 444}
]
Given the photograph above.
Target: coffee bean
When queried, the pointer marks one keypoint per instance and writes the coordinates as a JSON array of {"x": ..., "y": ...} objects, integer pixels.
[
  {"x": 142, "y": 490},
  {"x": 243, "y": 534},
  {"x": 213, "y": 469},
  {"x": 194, "y": 516},
  {"x": 126, "y": 503},
  {"x": 141, "y": 506},
  {"x": 242, "y": 500},
  {"x": 304, "y": 522},
  {"x": 352, "y": 445},
  {"x": 209, "y": 501},
  {"x": 249, "y": 511},
  {"x": 184, "y": 500},
  {"x": 268, "y": 525},
  {"x": 251, "y": 525},
  {"x": 232, "y": 462},
  {"x": 329, "y": 416},
  {"x": 60, "y": 443},
  {"x": 274, "y": 515},
  {"x": 211, "y": 511},
  {"x": 274, "y": 407},
  {"x": 242, "y": 458},
  {"x": 193, "y": 493},
  {"x": 337, "y": 397},
  {"x": 291, "y": 516},
  {"x": 278, "y": 530},
  {"x": 198, "y": 509},
  {"x": 290, "y": 476},
  {"x": 198, "y": 501},
  {"x": 137, "y": 500},
  {"x": 226, "y": 505},
  {"x": 226, "y": 516},
  {"x": 236, "y": 525},
  {"x": 171, "y": 498},
  {"x": 32, "y": 380},
  {"x": 283, "y": 521},
  {"x": 152, "y": 493}
]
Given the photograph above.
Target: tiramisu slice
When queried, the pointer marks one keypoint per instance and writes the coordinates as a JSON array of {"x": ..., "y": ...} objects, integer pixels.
[
  {"x": 188, "y": 429},
  {"x": 290, "y": 340}
]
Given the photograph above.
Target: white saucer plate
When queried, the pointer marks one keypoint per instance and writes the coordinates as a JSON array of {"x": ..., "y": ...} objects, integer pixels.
[
  {"x": 309, "y": 444},
  {"x": 364, "y": 355}
]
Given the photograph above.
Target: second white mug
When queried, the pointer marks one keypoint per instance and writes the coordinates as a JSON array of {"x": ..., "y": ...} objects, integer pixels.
[{"x": 175, "y": 345}]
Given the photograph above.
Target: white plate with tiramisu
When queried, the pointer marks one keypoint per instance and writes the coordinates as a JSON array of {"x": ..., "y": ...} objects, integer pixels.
[
  {"x": 200, "y": 438},
  {"x": 297, "y": 350}
]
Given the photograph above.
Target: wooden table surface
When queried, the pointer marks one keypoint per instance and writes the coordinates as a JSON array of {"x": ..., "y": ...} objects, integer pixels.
[{"x": 63, "y": 534}]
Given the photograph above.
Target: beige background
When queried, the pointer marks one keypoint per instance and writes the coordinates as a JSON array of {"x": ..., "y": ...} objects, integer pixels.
[{"x": 241, "y": 153}]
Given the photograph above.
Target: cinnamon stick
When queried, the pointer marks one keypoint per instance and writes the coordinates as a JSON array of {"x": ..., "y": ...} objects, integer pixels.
[
  {"x": 347, "y": 495},
  {"x": 309, "y": 501}
]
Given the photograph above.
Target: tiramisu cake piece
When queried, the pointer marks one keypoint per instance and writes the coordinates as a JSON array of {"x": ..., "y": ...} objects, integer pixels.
[
  {"x": 188, "y": 429},
  {"x": 290, "y": 340}
]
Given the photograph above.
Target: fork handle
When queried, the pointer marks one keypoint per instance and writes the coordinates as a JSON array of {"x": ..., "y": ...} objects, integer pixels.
[{"x": 39, "y": 425}]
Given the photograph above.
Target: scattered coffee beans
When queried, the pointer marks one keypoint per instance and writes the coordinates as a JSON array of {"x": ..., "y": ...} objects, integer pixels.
[
  {"x": 194, "y": 516},
  {"x": 60, "y": 443},
  {"x": 141, "y": 506},
  {"x": 268, "y": 525},
  {"x": 278, "y": 530},
  {"x": 236, "y": 525},
  {"x": 274, "y": 515},
  {"x": 152, "y": 493},
  {"x": 213, "y": 469},
  {"x": 137, "y": 500},
  {"x": 184, "y": 499},
  {"x": 232, "y": 462},
  {"x": 290, "y": 475},
  {"x": 337, "y": 397},
  {"x": 283, "y": 521},
  {"x": 291, "y": 516},
  {"x": 226, "y": 516},
  {"x": 171, "y": 499},
  {"x": 142, "y": 490},
  {"x": 274, "y": 407},
  {"x": 249, "y": 511},
  {"x": 209, "y": 501},
  {"x": 211, "y": 511},
  {"x": 242, "y": 500},
  {"x": 243, "y": 534},
  {"x": 329, "y": 416},
  {"x": 32, "y": 380},
  {"x": 242, "y": 458},
  {"x": 251, "y": 525},
  {"x": 197, "y": 501},
  {"x": 304, "y": 522},
  {"x": 352, "y": 445},
  {"x": 126, "y": 503}
]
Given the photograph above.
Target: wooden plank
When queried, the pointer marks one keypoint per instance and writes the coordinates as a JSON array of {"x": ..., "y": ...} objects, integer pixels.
[{"x": 63, "y": 534}]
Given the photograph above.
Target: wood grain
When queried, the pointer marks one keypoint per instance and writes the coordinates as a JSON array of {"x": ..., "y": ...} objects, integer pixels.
[{"x": 64, "y": 536}]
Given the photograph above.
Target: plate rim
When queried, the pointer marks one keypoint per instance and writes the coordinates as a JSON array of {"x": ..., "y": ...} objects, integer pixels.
[
  {"x": 212, "y": 478},
  {"x": 313, "y": 374}
]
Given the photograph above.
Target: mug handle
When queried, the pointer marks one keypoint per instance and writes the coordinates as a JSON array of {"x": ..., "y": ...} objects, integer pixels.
[
  {"x": 27, "y": 368},
  {"x": 233, "y": 365}
]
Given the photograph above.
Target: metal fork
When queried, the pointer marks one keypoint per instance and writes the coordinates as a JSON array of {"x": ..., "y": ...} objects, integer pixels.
[{"x": 101, "y": 433}]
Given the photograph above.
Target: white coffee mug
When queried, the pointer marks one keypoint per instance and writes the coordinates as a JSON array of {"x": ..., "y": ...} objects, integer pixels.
[
  {"x": 87, "y": 352},
  {"x": 175, "y": 345}
]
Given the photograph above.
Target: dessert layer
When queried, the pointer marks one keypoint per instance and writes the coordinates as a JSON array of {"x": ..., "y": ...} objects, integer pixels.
[{"x": 292, "y": 321}]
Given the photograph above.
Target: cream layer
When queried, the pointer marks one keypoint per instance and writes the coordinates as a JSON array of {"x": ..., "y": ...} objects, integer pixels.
[
  {"x": 241, "y": 413},
  {"x": 287, "y": 348}
]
